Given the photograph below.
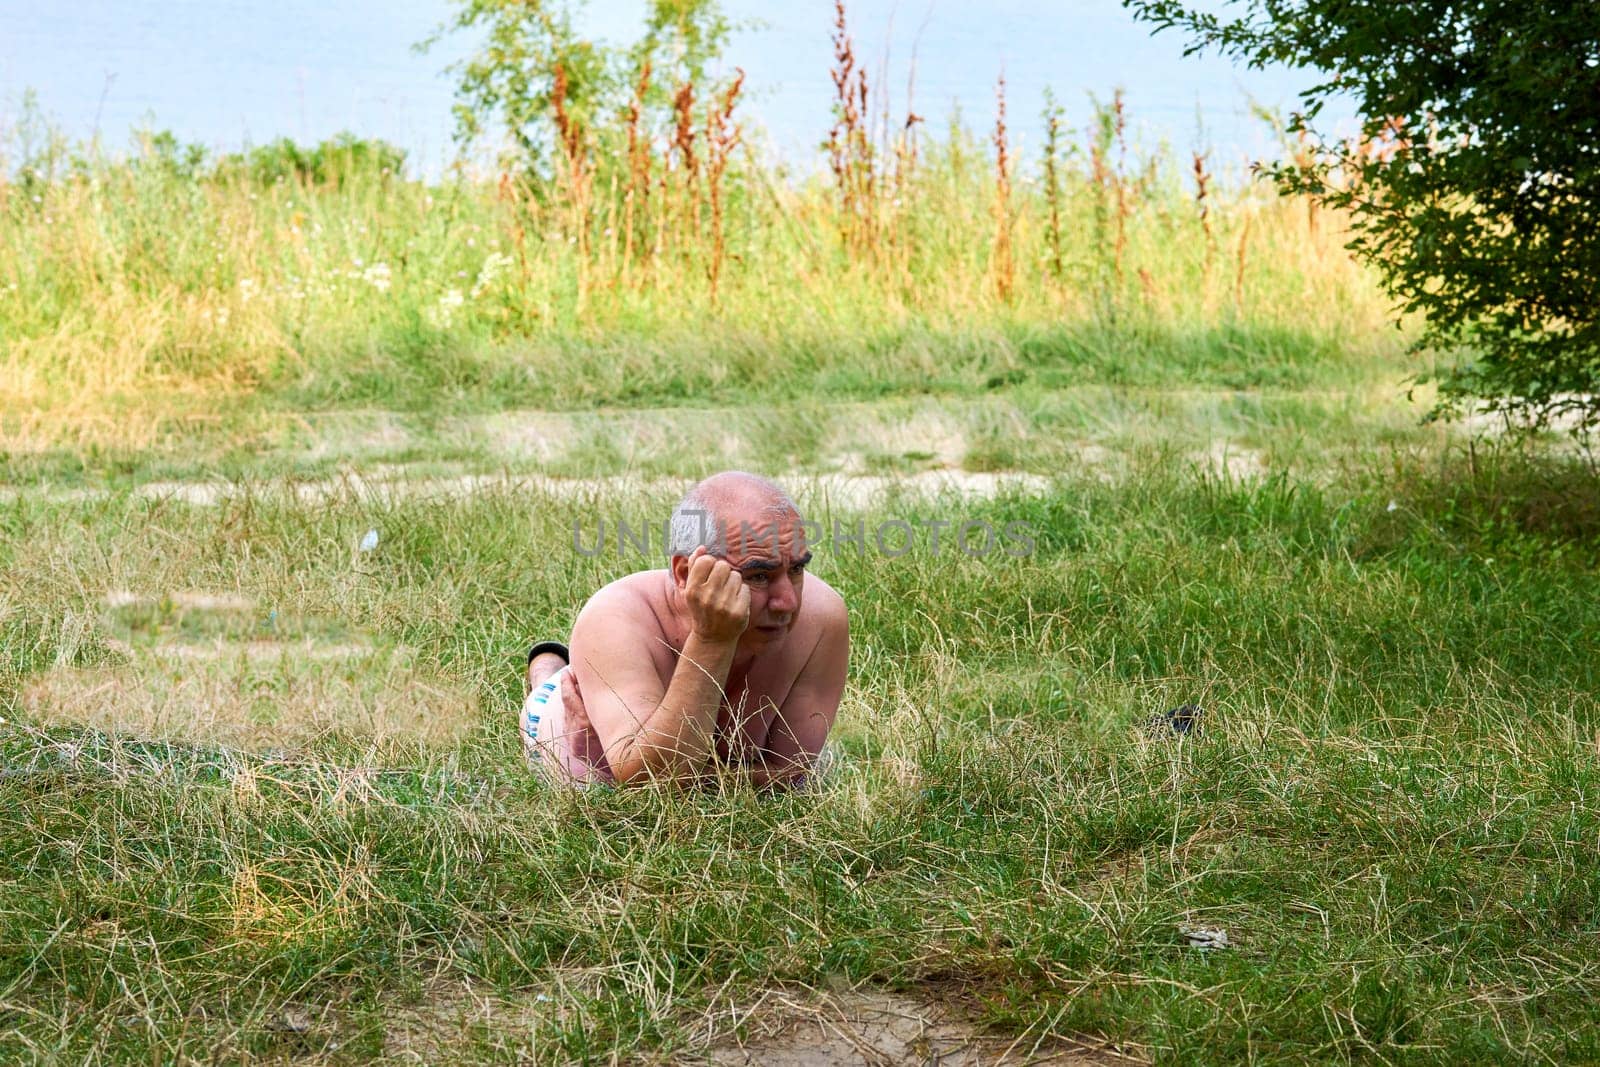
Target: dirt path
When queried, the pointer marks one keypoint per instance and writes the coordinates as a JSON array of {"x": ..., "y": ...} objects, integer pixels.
[
  {"x": 882, "y": 1029},
  {"x": 782, "y": 1026},
  {"x": 388, "y": 483}
]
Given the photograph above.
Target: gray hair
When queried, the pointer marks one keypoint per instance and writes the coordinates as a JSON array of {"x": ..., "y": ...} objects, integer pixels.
[
  {"x": 698, "y": 519},
  {"x": 694, "y": 524}
]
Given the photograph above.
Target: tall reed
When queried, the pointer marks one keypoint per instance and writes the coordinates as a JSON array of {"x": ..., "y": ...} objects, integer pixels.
[
  {"x": 722, "y": 136},
  {"x": 1002, "y": 264},
  {"x": 636, "y": 214},
  {"x": 149, "y": 277},
  {"x": 685, "y": 178},
  {"x": 850, "y": 151},
  {"x": 1053, "y": 115},
  {"x": 1202, "y": 199}
]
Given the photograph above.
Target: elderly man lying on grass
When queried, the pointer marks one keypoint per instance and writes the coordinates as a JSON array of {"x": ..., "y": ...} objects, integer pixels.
[{"x": 729, "y": 660}]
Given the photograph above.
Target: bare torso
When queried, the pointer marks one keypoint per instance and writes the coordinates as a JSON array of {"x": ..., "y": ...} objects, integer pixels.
[{"x": 644, "y": 613}]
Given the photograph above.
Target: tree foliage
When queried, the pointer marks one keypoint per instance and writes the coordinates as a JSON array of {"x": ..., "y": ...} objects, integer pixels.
[
  {"x": 333, "y": 161},
  {"x": 531, "y": 57},
  {"x": 1475, "y": 186}
]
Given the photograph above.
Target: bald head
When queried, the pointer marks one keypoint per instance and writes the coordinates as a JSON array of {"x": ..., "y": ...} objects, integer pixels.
[
  {"x": 740, "y": 491},
  {"x": 721, "y": 503}
]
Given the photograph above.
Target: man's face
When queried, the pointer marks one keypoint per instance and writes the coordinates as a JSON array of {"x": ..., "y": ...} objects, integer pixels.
[{"x": 770, "y": 552}]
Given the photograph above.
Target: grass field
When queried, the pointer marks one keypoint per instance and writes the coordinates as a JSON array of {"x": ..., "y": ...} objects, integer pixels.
[
  {"x": 260, "y": 795},
  {"x": 153, "y": 286},
  {"x": 263, "y": 799}
]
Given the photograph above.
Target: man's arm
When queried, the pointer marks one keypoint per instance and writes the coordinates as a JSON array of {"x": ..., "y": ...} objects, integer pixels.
[
  {"x": 648, "y": 733},
  {"x": 809, "y": 711}
]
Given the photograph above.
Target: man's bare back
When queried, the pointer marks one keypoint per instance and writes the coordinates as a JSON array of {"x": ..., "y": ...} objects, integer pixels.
[{"x": 732, "y": 658}]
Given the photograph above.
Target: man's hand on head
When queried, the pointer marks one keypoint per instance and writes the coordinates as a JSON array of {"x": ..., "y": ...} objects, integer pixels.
[{"x": 719, "y": 601}]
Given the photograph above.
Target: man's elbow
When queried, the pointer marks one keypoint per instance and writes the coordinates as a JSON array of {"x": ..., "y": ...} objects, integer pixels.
[{"x": 641, "y": 765}]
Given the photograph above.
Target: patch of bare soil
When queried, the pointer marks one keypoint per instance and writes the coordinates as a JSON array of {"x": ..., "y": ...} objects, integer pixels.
[
  {"x": 461, "y": 1021},
  {"x": 1234, "y": 462},
  {"x": 455, "y": 1017},
  {"x": 934, "y": 434},
  {"x": 394, "y": 483},
  {"x": 193, "y": 600},
  {"x": 881, "y": 1029}
]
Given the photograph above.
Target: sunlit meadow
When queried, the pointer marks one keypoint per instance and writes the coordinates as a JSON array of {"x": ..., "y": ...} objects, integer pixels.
[{"x": 297, "y": 454}]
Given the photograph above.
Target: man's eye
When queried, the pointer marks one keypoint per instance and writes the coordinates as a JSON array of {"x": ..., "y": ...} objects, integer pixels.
[
  {"x": 758, "y": 578},
  {"x": 797, "y": 570}
]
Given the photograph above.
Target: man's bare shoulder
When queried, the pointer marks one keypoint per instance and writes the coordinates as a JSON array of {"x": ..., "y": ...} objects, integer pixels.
[
  {"x": 824, "y": 604},
  {"x": 640, "y": 591},
  {"x": 823, "y": 622},
  {"x": 633, "y": 609}
]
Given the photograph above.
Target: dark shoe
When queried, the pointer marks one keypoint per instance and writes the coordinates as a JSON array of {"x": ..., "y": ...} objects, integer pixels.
[
  {"x": 1180, "y": 720},
  {"x": 549, "y": 646}
]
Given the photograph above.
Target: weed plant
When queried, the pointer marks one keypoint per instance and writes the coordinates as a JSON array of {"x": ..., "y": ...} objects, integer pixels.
[{"x": 702, "y": 273}]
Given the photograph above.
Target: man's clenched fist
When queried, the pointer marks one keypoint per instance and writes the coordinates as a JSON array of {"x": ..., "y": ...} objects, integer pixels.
[{"x": 719, "y": 601}]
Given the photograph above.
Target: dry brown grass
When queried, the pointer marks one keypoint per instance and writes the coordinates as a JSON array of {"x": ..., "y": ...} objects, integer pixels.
[
  {"x": 258, "y": 695},
  {"x": 1002, "y": 262},
  {"x": 722, "y": 137}
]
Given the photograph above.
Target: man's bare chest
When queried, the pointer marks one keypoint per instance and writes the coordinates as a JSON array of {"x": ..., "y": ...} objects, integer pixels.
[{"x": 750, "y": 705}]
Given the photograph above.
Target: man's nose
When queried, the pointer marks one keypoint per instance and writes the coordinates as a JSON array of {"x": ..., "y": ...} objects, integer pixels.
[{"x": 781, "y": 597}]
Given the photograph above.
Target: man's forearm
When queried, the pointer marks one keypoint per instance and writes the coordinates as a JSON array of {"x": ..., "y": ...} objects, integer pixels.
[{"x": 676, "y": 740}]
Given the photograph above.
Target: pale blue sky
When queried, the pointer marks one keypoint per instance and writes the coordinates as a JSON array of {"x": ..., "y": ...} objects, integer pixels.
[{"x": 227, "y": 72}]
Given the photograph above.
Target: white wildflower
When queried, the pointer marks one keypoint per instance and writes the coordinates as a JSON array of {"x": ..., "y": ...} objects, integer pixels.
[
  {"x": 378, "y": 276},
  {"x": 493, "y": 266},
  {"x": 449, "y": 303}
]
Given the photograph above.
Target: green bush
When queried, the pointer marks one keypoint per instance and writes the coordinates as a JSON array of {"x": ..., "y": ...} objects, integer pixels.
[
  {"x": 331, "y": 162},
  {"x": 1475, "y": 186}
]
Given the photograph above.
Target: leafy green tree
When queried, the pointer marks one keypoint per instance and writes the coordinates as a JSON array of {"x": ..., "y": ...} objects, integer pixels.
[
  {"x": 1475, "y": 187},
  {"x": 332, "y": 161},
  {"x": 532, "y": 59},
  {"x": 682, "y": 39}
]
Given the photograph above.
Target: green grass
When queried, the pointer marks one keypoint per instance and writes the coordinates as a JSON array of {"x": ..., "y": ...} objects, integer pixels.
[
  {"x": 1392, "y": 809},
  {"x": 152, "y": 287},
  {"x": 260, "y": 795}
]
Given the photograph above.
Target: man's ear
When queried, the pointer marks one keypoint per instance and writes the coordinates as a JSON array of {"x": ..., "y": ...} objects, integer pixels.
[{"x": 680, "y": 571}]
